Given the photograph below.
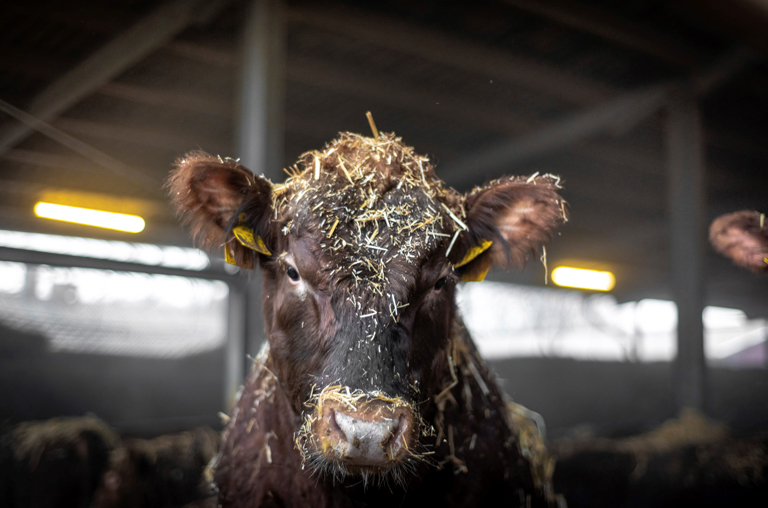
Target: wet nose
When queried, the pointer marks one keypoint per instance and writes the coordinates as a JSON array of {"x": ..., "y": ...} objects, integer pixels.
[
  {"x": 369, "y": 442},
  {"x": 373, "y": 433}
]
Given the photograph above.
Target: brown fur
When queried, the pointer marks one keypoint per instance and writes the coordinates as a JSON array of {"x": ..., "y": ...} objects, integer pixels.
[
  {"x": 359, "y": 294},
  {"x": 740, "y": 237},
  {"x": 479, "y": 457}
]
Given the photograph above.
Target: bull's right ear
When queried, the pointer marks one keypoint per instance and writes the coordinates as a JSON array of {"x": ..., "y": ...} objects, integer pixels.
[
  {"x": 742, "y": 237},
  {"x": 225, "y": 205}
]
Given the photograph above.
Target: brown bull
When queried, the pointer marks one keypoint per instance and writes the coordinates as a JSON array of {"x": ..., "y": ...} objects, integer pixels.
[{"x": 370, "y": 391}]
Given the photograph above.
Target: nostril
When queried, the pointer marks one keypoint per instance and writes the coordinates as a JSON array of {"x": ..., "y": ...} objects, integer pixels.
[
  {"x": 394, "y": 431},
  {"x": 332, "y": 424},
  {"x": 398, "y": 437}
]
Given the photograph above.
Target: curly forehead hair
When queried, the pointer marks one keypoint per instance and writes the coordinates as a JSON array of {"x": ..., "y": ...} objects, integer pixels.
[{"x": 370, "y": 203}]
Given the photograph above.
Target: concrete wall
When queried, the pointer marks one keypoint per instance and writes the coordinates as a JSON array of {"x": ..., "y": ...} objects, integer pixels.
[
  {"x": 139, "y": 396},
  {"x": 613, "y": 398}
]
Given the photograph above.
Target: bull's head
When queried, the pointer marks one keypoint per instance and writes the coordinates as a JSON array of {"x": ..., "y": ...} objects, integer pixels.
[{"x": 361, "y": 250}]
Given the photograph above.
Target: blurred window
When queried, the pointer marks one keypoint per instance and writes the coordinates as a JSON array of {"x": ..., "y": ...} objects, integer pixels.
[
  {"x": 509, "y": 320},
  {"x": 142, "y": 253},
  {"x": 117, "y": 313}
]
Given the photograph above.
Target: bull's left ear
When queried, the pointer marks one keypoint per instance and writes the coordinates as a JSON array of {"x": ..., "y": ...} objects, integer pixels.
[{"x": 507, "y": 221}]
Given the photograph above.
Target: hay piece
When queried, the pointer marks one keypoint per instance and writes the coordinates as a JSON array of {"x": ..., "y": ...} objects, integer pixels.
[
  {"x": 333, "y": 228},
  {"x": 372, "y": 124}
]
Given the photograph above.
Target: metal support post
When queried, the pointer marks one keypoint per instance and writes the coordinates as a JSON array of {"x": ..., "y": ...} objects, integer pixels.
[{"x": 685, "y": 167}]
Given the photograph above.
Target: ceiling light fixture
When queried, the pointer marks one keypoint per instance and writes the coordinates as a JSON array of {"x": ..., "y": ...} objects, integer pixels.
[
  {"x": 89, "y": 217},
  {"x": 581, "y": 278}
]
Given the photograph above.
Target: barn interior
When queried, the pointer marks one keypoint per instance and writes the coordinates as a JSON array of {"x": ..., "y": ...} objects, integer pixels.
[{"x": 653, "y": 114}]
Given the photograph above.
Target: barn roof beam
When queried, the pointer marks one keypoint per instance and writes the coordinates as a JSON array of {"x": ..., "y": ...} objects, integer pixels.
[
  {"x": 146, "y": 36},
  {"x": 157, "y": 138},
  {"x": 46, "y": 160},
  {"x": 723, "y": 69},
  {"x": 620, "y": 115},
  {"x": 203, "y": 53},
  {"x": 99, "y": 17},
  {"x": 614, "y": 115},
  {"x": 159, "y": 97},
  {"x": 442, "y": 105},
  {"x": 435, "y": 46},
  {"x": 616, "y": 29},
  {"x": 745, "y": 20},
  {"x": 116, "y": 167},
  {"x": 461, "y": 109}
]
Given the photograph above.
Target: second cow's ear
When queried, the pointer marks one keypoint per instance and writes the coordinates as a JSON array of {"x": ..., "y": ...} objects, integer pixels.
[
  {"x": 508, "y": 221},
  {"x": 225, "y": 205},
  {"x": 742, "y": 237}
]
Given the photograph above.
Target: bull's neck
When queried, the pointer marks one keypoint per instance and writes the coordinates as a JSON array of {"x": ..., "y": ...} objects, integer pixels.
[{"x": 466, "y": 386}]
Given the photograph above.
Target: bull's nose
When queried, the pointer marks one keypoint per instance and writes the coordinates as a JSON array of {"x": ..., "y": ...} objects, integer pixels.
[
  {"x": 370, "y": 443},
  {"x": 377, "y": 432}
]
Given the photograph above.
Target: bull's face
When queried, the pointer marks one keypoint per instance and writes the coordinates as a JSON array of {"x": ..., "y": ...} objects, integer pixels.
[
  {"x": 358, "y": 305},
  {"x": 361, "y": 251}
]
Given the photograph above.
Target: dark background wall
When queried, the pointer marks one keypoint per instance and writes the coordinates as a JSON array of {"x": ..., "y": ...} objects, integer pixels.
[
  {"x": 150, "y": 396},
  {"x": 621, "y": 398},
  {"x": 137, "y": 396}
]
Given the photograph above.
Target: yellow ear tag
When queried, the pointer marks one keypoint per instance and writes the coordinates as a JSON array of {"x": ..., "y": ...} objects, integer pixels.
[
  {"x": 765, "y": 260},
  {"x": 474, "y": 252},
  {"x": 480, "y": 277},
  {"x": 229, "y": 257},
  {"x": 244, "y": 235}
]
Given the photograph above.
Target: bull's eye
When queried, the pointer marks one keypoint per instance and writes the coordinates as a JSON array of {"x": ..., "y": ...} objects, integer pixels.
[
  {"x": 440, "y": 283},
  {"x": 292, "y": 273}
]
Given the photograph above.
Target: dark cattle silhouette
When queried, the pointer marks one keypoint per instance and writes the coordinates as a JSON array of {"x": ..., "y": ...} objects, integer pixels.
[
  {"x": 81, "y": 462},
  {"x": 53, "y": 463},
  {"x": 369, "y": 391}
]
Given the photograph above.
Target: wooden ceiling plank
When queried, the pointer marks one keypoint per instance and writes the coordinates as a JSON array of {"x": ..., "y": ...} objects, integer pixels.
[
  {"x": 141, "y": 94},
  {"x": 616, "y": 115},
  {"x": 723, "y": 69},
  {"x": 137, "y": 135},
  {"x": 616, "y": 29},
  {"x": 629, "y": 108},
  {"x": 127, "y": 49},
  {"x": 92, "y": 17},
  {"x": 741, "y": 20},
  {"x": 333, "y": 78},
  {"x": 459, "y": 109},
  {"x": 106, "y": 161},
  {"x": 438, "y": 47},
  {"x": 47, "y": 160},
  {"x": 203, "y": 53}
]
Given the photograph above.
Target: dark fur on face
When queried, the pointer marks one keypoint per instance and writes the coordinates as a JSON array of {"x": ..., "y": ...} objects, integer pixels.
[
  {"x": 359, "y": 289},
  {"x": 742, "y": 237}
]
